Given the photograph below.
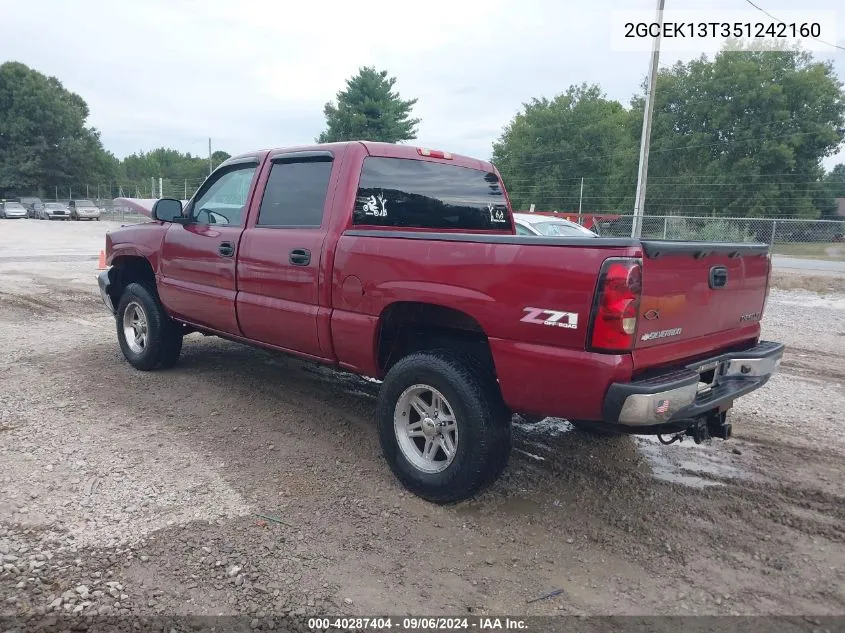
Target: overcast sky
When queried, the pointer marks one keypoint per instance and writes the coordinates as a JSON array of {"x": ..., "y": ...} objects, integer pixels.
[{"x": 257, "y": 73}]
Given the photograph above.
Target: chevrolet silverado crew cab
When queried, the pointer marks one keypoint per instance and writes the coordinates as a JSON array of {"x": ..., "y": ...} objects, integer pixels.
[{"x": 403, "y": 264}]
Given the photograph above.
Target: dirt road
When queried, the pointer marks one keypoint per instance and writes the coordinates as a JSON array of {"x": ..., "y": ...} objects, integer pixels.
[{"x": 124, "y": 492}]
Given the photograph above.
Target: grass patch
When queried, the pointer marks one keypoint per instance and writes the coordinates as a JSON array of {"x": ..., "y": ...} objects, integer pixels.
[{"x": 812, "y": 250}]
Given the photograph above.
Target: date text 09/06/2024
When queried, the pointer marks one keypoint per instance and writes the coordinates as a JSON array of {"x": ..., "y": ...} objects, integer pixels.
[{"x": 417, "y": 624}]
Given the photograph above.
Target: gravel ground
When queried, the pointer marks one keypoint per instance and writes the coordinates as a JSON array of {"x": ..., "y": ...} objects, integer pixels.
[{"x": 124, "y": 492}]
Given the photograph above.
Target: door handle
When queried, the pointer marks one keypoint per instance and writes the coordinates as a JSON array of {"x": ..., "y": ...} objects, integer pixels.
[
  {"x": 718, "y": 277},
  {"x": 226, "y": 249},
  {"x": 300, "y": 257}
]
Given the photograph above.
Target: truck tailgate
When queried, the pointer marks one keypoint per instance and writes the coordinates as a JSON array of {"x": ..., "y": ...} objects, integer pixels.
[{"x": 696, "y": 291}]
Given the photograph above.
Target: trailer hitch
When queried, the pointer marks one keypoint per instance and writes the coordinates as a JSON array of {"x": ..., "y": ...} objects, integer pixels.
[
  {"x": 703, "y": 428},
  {"x": 709, "y": 426}
]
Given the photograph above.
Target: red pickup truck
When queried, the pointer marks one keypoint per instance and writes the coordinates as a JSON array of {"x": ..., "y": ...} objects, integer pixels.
[{"x": 402, "y": 264}]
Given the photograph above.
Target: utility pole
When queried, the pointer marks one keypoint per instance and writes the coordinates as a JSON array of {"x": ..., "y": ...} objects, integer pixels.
[
  {"x": 152, "y": 187},
  {"x": 210, "y": 165},
  {"x": 186, "y": 189},
  {"x": 645, "y": 140},
  {"x": 160, "y": 188},
  {"x": 580, "y": 200}
]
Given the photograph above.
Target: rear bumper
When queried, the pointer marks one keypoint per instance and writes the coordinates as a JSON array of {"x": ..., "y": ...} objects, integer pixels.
[
  {"x": 670, "y": 398},
  {"x": 104, "y": 282}
]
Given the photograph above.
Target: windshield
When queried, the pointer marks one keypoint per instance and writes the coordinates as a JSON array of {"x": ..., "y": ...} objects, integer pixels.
[
  {"x": 559, "y": 228},
  {"x": 14, "y": 205},
  {"x": 84, "y": 203},
  {"x": 54, "y": 205}
]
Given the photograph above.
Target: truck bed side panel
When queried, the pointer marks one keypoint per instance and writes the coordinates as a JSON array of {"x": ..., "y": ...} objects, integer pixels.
[{"x": 511, "y": 286}]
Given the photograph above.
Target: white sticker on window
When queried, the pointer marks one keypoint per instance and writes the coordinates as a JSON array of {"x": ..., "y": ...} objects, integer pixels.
[
  {"x": 496, "y": 215},
  {"x": 376, "y": 206}
]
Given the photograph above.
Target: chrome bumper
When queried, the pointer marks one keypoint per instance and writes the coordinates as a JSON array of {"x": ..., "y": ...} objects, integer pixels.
[{"x": 683, "y": 395}]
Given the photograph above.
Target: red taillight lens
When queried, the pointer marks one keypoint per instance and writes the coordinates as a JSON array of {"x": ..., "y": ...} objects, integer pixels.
[{"x": 614, "y": 319}]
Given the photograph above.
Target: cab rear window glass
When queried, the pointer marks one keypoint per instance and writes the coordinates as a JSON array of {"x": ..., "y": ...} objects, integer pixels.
[{"x": 420, "y": 194}]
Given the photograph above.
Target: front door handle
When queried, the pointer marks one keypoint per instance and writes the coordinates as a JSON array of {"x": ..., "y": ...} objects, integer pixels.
[
  {"x": 226, "y": 249},
  {"x": 300, "y": 257}
]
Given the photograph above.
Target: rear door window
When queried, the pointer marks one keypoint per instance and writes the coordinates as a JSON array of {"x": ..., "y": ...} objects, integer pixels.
[
  {"x": 421, "y": 194},
  {"x": 295, "y": 195}
]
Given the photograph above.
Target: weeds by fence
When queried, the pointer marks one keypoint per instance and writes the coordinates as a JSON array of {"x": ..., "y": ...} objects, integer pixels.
[{"x": 706, "y": 229}]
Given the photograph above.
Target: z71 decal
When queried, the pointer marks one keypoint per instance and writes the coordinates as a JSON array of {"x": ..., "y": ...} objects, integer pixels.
[{"x": 553, "y": 318}]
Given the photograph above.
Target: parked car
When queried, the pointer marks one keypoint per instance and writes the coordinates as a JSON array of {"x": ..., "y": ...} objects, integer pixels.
[
  {"x": 402, "y": 264},
  {"x": 83, "y": 210},
  {"x": 54, "y": 211},
  {"x": 548, "y": 226},
  {"x": 12, "y": 210},
  {"x": 32, "y": 205}
]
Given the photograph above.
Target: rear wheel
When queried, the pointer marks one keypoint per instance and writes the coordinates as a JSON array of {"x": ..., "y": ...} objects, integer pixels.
[
  {"x": 442, "y": 425},
  {"x": 148, "y": 338}
]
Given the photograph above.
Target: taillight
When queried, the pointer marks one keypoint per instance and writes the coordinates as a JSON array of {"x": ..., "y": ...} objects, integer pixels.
[{"x": 617, "y": 305}]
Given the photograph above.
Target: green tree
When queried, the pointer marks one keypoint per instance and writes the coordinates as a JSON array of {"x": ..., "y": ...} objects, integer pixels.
[
  {"x": 743, "y": 135},
  {"x": 835, "y": 181},
  {"x": 369, "y": 109},
  {"x": 44, "y": 141},
  {"x": 220, "y": 156},
  {"x": 551, "y": 144}
]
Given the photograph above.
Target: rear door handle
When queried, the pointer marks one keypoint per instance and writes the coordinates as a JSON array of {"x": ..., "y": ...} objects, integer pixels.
[
  {"x": 226, "y": 249},
  {"x": 300, "y": 257}
]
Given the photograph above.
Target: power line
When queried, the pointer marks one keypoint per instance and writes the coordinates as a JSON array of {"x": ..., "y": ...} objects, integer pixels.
[{"x": 776, "y": 19}]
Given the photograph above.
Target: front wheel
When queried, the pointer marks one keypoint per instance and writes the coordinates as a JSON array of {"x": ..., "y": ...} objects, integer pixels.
[
  {"x": 442, "y": 425},
  {"x": 148, "y": 338}
]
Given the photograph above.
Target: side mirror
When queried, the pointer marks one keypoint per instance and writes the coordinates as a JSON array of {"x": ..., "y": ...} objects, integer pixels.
[{"x": 167, "y": 210}]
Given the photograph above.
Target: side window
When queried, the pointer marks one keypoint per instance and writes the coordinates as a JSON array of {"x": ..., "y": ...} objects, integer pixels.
[
  {"x": 521, "y": 230},
  {"x": 295, "y": 195},
  {"x": 224, "y": 200}
]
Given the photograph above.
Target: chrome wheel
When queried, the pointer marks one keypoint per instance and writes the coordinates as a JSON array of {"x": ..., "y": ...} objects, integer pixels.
[
  {"x": 426, "y": 428},
  {"x": 135, "y": 327}
]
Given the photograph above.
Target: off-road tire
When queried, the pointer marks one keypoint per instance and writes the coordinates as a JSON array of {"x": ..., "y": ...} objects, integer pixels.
[
  {"x": 164, "y": 336},
  {"x": 483, "y": 423}
]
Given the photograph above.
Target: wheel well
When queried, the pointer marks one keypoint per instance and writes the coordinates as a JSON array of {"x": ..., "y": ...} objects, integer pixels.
[
  {"x": 127, "y": 270},
  {"x": 408, "y": 326}
]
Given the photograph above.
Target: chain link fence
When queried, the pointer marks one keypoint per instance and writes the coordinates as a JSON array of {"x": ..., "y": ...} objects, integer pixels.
[{"x": 769, "y": 230}]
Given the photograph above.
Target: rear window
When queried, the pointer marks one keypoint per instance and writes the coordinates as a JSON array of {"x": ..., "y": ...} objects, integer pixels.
[
  {"x": 420, "y": 194},
  {"x": 84, "y": 203}
]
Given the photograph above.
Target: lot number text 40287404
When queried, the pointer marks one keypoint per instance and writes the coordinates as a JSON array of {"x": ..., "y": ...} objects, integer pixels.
[{"x": 417, "y": 624}]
